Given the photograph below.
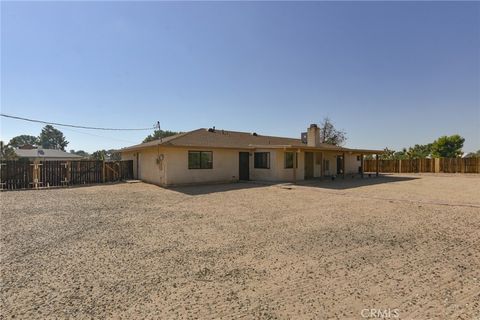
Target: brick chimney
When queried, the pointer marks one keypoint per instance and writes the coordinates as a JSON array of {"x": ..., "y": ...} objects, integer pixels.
[{"x": 313, "y": 135}]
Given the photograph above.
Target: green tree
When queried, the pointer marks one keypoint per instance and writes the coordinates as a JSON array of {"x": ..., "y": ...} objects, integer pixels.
[
  {"x": 158, "y": 134},
  {"x": 22, "y": 140},
  {"x": 388, "y": 155},
  {"x": 448, "y": 146},
  {"x": 7, "y": 152},
  {"x": 80, "y": 153},
  {"x": 110, "y": 154},
  {"x": 331, "y": 135},
  {"x": 51, "y": 138},
  {"x": 400, "y": 155},
  {"x": 419, "y": 151},
  {"x": 99, "y": 155},
  {"x": 113, "y": 154}
]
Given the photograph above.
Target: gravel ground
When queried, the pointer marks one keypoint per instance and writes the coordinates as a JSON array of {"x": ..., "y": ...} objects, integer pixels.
[{"x": 319, "y": 250}]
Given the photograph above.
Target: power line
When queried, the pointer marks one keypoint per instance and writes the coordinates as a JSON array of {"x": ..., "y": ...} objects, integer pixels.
[
  {"x": 100, "y": 136},
  {"x": 76, "y": 126}
]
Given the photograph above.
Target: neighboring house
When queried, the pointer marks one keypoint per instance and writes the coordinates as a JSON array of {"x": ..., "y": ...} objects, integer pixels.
[
  {"x": 46, "y": 154},
  {"x": 209, "y": 155}
]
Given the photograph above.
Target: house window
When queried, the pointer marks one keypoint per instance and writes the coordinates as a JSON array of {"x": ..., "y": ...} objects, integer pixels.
[
  {"x": 261, "y": 160},
  {"x": 358, "y": 158},
  {"x": 289, "y": 160},
  {"x": 326, "y": 165},
  {"x": 200, "y": 160}
]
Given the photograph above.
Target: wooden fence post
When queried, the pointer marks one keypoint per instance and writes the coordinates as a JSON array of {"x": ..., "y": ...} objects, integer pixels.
[
  {"x": 36, "y": 174},
  {"x": 2, "y": 184},
  {"x": 103, "y": 171}
]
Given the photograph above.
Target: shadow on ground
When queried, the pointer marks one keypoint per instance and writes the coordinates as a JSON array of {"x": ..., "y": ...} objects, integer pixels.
[
  {"x": 195, "y": 190},
  {"x": 338, "y": 183},
  {"x": 348, "y": 182}
]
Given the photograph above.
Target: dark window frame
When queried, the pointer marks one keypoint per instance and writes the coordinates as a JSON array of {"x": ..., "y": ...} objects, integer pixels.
[
  {"x": 285, "y": 160},
  {"x": 202, "y": 165},
  {"x": 257, "y": 164}
]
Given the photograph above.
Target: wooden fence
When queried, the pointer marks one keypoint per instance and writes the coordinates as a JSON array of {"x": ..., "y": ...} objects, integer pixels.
[
  {"x": 460, "y": 165},
  {"x": 446, "y": 165},
  {"x": 18, "y": 174}
]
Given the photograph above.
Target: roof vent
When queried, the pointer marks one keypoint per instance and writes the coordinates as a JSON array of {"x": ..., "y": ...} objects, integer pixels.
[{"x": 254, "y": 134}]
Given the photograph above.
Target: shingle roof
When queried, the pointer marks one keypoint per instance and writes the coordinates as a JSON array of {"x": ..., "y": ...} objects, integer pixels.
[
  {"x": 228, "y": 139},
  {"x": 45, "y": 153}
]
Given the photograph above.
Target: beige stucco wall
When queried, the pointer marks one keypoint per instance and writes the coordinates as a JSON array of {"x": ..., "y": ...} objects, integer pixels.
[
  {"x": 150, "y": 166},
  {"x": 169, "y": 166},
  {"x": 225, "y": 166},
  {"x": 332, "y": 158},
  {"x": 277, "y": 171},
  {"x": 351, "y": 163}
]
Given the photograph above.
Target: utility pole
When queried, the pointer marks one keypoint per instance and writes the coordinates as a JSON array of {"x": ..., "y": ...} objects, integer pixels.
[{"x": 157, "y": 126}]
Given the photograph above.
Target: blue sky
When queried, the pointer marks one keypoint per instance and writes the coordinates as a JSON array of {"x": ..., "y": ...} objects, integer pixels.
[{"x": 391, "y": 74}]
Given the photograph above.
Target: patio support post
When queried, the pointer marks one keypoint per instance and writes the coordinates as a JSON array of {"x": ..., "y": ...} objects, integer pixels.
[
  {"x": 361, "y": 165},
  {"x": 376, "y": 162},
  {"x": 343, "y": 165}
]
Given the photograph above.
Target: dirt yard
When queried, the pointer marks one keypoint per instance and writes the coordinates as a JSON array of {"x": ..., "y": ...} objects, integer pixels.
[{"x": 320, "y": 250}]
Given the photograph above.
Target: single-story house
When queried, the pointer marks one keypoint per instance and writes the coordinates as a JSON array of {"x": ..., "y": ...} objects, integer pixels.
[
  {"x": 210, "y": 155},
  {"x": 40, "y": 154}
]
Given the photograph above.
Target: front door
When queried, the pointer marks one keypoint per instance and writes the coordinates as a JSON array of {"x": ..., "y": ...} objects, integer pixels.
[
  {"x": 244, "y": 166},
  {"x": 339, "y": 164},
  {"x": 308, "y": 165}
]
